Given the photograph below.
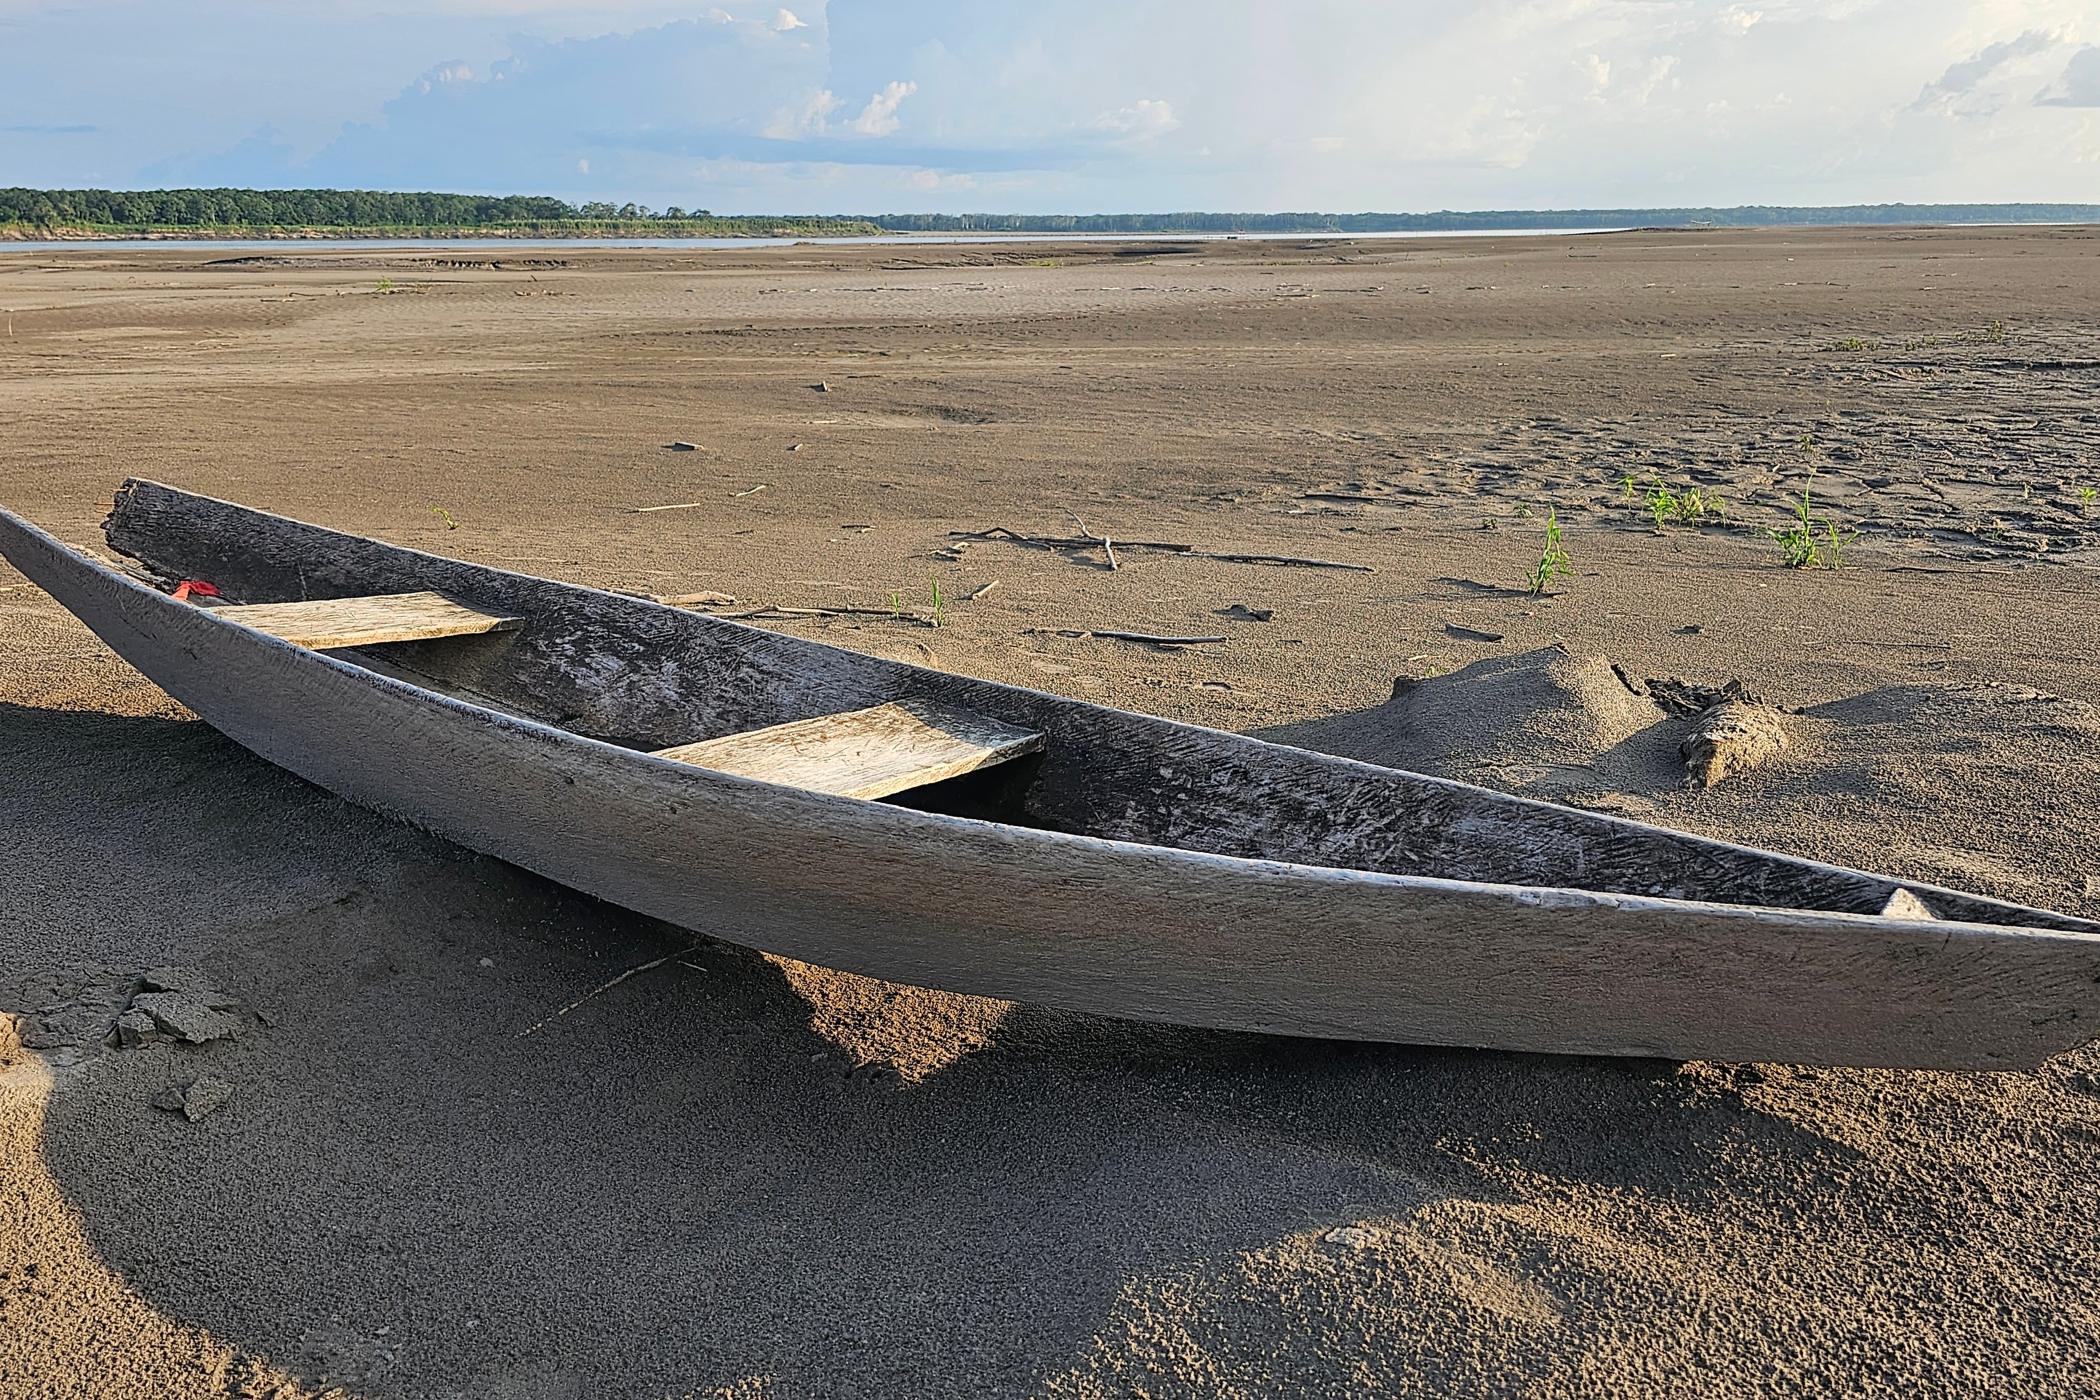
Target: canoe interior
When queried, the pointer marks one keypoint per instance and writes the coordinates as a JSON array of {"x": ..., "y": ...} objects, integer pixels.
[{"x": 646, "y": 676}]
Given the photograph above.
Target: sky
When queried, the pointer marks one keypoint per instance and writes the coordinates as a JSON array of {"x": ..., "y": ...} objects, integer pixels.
[{"x": 875, "y": 106}]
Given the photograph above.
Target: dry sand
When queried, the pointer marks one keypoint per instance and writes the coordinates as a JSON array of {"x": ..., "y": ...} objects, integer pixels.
[{"x": 733, "y": 1176}]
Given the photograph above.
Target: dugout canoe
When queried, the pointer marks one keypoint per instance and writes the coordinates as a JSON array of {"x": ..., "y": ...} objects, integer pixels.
[{"x": 928, "y": 828}]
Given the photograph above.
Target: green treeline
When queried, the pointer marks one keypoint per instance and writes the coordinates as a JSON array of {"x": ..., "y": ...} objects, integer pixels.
[
  {"x": 266, "y": 211},
  {"x": 1743, "y": 216},
  {"x": 232, "y": 211}
]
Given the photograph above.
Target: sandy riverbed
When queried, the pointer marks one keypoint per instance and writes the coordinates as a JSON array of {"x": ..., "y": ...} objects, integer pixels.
[{"x": 733, "y": 1176}]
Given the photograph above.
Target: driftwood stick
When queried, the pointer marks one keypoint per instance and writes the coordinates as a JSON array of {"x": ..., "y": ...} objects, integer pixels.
[
  {"x": 682, "y": 505},
  {"x": 1091, "y": 542},
  {"x": 831, "y": 610},
  {"x": 739, "y": 495},
  {"x": 1073, "y": 542},
  {"x": 1288, "y": 560},
  {"x": 1155, "y": 640},
  {"x": 1108, "y": 547},
  {"x": 982, "y": 589}
]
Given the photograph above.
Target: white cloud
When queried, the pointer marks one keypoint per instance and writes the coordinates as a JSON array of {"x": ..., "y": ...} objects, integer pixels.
[
  {"x": 810, "y": 119},
  {"x": 786, "y": 20},
  {"x": 2080, "y": 84},
  {"x": 445, "y": 75},
  {"x": 1597, "y": 70},
  {"x": 583, "y": 165},
  {"x": 1965, "y": 87},
  {"x": 1658, "y": 73},
  {"x": 879, "y": 117},
  {"x": 933, "y": 180},
  {"x": 1143, "y": 120}
]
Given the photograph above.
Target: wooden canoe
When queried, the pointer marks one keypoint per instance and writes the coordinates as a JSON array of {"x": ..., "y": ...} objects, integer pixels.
[{"x": 934, "y": 829}]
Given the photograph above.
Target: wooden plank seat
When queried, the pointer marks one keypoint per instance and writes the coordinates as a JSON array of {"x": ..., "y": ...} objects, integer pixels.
[
  {"x": 362, "y": 622},
  {"x": 864, "y": 753}
]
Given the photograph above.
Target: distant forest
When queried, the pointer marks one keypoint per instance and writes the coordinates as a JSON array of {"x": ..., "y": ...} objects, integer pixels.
[
  {"x": 230, "y": 211},
  {"x": 52, "y": 213}
]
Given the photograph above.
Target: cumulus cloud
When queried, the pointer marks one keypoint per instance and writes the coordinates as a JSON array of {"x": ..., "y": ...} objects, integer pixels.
[
  {"x": 1954, "y": 90},
  {"x": 810, "y": 119},
  {"x": 443, "y": 75},
  {"x": 930, "y": 181},
  {"x": 2080, "y": 84},
  {"x": 1143, "y": 120},
  {"x": 1596, "y": 71},
  {"x": 879, "y": 117},
  {"x": 1658, "y": 72},
  {"x": 786, "y": 20}
]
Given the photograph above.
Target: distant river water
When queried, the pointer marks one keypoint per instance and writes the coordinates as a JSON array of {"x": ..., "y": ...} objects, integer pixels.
[{"x": 286, "y": 245}]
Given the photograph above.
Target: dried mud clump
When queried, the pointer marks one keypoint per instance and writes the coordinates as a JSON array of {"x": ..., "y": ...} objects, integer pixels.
[{"x": 1733, "y": 737}]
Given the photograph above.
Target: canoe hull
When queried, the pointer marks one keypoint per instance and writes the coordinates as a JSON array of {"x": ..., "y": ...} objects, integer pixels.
[{"x": 1102, "y": 926}]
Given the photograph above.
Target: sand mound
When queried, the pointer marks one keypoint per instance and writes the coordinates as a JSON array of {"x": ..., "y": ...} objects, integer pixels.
[{"x": 1543, "y": 722}]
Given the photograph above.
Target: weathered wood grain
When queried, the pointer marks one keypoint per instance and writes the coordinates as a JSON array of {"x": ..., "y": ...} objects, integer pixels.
[
  {"x": 1194, "y": 877},
  {"x": 867, "y": 753},
  {"x": 371, "y": 621}
]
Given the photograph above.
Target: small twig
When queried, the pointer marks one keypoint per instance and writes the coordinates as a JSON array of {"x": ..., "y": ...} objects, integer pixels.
[
  {"x": 1090, "y": 542},
  {"x": 1284, "y": 559},
  {"x": 837, "y": 610},
  {"x": 1158, "y": 641},
  {"x": 1108, "y": 547},
  {"x": 982, "y": 590},
  {"x": 739, "y": 495},
  {"x": 1073, "y": 542},
  {"x": 598, "y": 990},
  {"x": 682, "y": 505}
]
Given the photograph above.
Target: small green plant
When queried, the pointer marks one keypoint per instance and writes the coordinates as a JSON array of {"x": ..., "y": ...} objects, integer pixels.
[
  {"x": 2087, "y": 495},
  {"x": 1797, "y": 542},
  {"x": 1662, "y": 504},
  {"x": 1835, "y": 543},
  {"x": 386, "y": 284},
  {"x": 1855, "y": 343},
  {"x": 1808, "y": 542},
  {"x": 1695, "y": 507},
  {"x": 1995, "y": 332},
  {"x": 938, "y": 602},
  {"x": 1808, "y": 443},
  {"x": 1626, "y": 487},
  {"x": 896, "y": 602},
  {"x": 445, "y": 515},
  {"x": 1554, "y": 563}
]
